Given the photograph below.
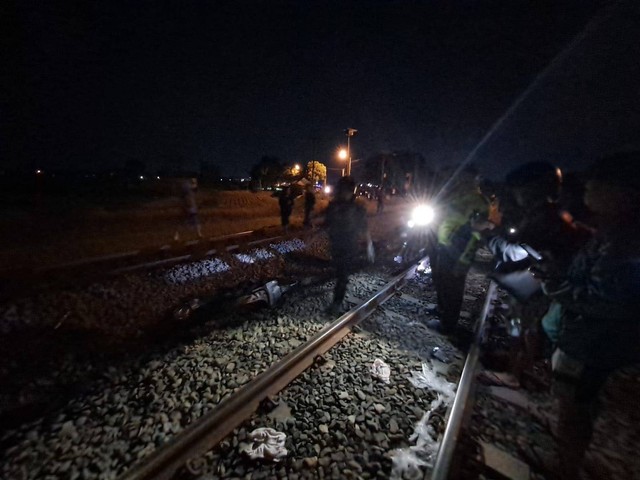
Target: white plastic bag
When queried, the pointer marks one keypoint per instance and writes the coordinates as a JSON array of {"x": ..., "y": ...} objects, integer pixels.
[
  {"x": 381, "y": 370},
  {"x": 266, "y": 443}
]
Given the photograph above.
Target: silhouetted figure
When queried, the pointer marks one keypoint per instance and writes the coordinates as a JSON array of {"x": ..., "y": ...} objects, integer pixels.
[
  {"x": 534, "y": 218},
  {"x": 347, "y": 223},
  {"x": 309, "y": 203},
  {"x": 455, "y": 248},
  {"x": 380, "y": 199},
  {"x": 190, "y": 208},
  {"x": 600, "y": 299},
  {"x": 286, "y": 207}
]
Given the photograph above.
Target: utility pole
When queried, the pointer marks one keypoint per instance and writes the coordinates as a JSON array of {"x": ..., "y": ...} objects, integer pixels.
[{"x": 350, "y": 132}]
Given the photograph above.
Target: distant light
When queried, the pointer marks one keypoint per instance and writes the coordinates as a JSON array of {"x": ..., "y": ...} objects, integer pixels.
[
  {"x": 157, "y": 178},
  {"x": 38, "y": 172},
  {"x": 342, "y": 154},
  {"x": 512, "y": 230},
  {"x": 141, "y": 177},
  {"x": 296, "y": 166},
  {"x": 327, "y": 189}
]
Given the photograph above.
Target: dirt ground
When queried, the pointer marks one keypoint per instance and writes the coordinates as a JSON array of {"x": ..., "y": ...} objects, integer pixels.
[{"x": 57, "y": 230}]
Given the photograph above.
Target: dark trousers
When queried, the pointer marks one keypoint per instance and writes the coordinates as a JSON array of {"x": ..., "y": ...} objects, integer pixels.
[
  {"x": 284, "y": 217},
  {"x": 340, "y": 290},
  {"x": 344, "y": 265},
  {"x": 307, "y": 217},
  {"x": 449, "y": 278}
]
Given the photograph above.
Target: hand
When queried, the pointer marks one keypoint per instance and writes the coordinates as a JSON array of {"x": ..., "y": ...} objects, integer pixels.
[{"x": 481, "y": 225}]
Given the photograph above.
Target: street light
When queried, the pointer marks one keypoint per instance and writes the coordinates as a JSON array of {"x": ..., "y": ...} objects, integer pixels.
[
  {"x": 343, "y": 155},
  {"x": 350, "y": 132}
]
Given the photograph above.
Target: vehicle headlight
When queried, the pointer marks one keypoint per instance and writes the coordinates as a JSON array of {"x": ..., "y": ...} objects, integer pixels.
[{"x": 421, "y": 216}]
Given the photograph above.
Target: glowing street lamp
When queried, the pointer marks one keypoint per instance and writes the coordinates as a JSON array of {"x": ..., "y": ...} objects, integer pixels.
[
  {"x": 343, "y": 155},
  {"x": 350, "y": 132}
]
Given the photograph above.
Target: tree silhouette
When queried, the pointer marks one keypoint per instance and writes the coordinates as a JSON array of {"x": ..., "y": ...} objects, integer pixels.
[
  {"x": 267, "y": 171},
  {"x": 316, "y": 171},
  {"x": 399, "y": 170}
]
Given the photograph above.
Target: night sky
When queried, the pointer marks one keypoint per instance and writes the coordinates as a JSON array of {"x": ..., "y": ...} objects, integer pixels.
[{"x": 172, "y": 84}]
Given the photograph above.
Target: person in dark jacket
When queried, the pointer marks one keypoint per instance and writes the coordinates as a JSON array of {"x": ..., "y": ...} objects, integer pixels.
[
  {"x": 600, "y": 300},
  {"x": 532, "y": 217},
  {"x": 285, "y": 201},
  {"x": 347, "y": 226},
  {"x": 537, "y": 219},
  {"x": 309, "y": 203}
]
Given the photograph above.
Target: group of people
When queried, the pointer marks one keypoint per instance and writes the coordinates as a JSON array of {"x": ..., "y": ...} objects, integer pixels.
[
  {"x": 285, "y": 202},
  {"x": 191, "y": 220},
  {"x": 587, "y": 273}
]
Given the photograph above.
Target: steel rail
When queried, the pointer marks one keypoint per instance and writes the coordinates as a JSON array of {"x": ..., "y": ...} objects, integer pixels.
[
  {"x": 134, "y": 253},
  {"x": 91, "y": 269},
  {"x": 190, "y": 256},
  {"x": 456, "y": 416},
  {"x": 214, "y": 426}
]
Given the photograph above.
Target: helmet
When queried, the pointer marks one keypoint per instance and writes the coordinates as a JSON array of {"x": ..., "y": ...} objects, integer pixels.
[
  {"x": 534, "y": 173},
  {"x": 541, "y": 179}
]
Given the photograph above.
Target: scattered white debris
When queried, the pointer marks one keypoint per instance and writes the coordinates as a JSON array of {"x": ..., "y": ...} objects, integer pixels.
[
  {"x": 181, "y": 274},
  {"x": 424, "y": 267},
  {"x": 254, "y": 256},
  {"x": 288, "y": 246},
  {"x": 381, "y": 370},
  {"x": 407, "y": 461},
  {"x": 266, "y": 443},
  {"x": 428, "y": 378}
]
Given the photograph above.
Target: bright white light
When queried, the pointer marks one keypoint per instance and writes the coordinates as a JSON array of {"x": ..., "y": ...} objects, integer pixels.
[
  {"x": 141, "y": 177},
  {"x": 342, "y": 154},
  {"x": 512, "y": 230},
  {"x": 327, "y": 189},
  {"x": 422, "y": 215},
  {"x": 38, "y": 172}
]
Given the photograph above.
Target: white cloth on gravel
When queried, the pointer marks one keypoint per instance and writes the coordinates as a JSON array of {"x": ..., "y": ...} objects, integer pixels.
[
  {"x": 266, "y": 443},
  {"x": 407, "y": 461},
  {"x": 381, "y": 370},
  {"x": 428, "y": 378}
]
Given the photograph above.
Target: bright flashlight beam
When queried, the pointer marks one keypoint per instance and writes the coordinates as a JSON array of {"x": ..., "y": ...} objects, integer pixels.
[
  {"x": 422, "y": 215},
  {"x": 560, "y": 57}
]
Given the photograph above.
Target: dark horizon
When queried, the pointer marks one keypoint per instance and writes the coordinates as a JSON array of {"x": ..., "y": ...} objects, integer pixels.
[{"x": 95, "y": 85}]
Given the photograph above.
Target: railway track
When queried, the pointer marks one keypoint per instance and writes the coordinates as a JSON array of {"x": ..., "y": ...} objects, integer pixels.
[
  {"x": 22, "y": 282},
  {"x": 189, "y": 408},
  {"x": 137, "y": 406},
  {"x": 185, "y": 450},
  {"x": 216, "y": 425}
]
